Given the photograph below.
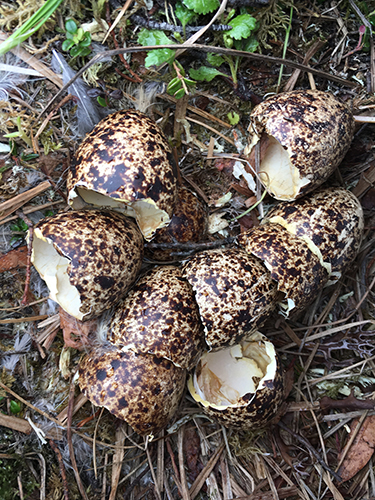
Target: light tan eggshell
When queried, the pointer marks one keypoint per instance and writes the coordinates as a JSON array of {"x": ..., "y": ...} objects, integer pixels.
[
  {"x": 315, "y": 129},
  {"x": 103, "y": 252},
  {"x": 160, "y": 316},
  {"x": 252, "y": 410},
  {"x": 296, "y": 270},
  {"x": 126, "y": 158},
  {"x": 330, "y": 221},
  {"x": 143, "y": 390},
  {"x": 234, "y": 292}
]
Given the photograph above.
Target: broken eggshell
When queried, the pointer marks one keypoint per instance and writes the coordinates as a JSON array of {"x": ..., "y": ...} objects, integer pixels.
[
  {"x": 292, "y": 265},
  {"x": 329, "y": 221},
  {"x": 143, "y": 390},
  {"x": 304, "y": 135},
  {"x": 188, "y": 225},
  {"x": 125, "y": 163},
  {"x": 234, "y": 292},
  {"x": 241, "y": 386},
  {"x": 160, "y": 316},
  {"x": 88, "y": 259}
]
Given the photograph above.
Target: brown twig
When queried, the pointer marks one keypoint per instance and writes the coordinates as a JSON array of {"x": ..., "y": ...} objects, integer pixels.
[
  {"x": 70, "y": 441},
  {"x": 312, "y": 450},
  {"x": 62, "y": 468},
  {"x": 29, "y": 252},
  {"x": 203, "y": 48}
]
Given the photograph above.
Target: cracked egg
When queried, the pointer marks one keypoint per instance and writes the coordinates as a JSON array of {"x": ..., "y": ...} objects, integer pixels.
[
  {"x": 240, "y": 386},
  {"x": 329, "y": 221},
  {"x": 160, "y": 316},
  {"x": 292, "y": 264},
  {"x": 234, "y": 292},
  {"x": 188, "y": 224},
  {"x": 125, "y": 163},
  {"x": 143, "y": 390},
  {"x": 303, "y": 136},
  {"x": 88, "y": 259}
]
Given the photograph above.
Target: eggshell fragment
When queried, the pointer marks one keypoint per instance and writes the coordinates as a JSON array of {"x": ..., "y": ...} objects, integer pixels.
[
  {"x": 297, "y": 271},
  {"x": 241, "y": 386},
  {"x": 143, "y": 390},
  {"x": 234, "y": 292},
  {"x": 160, "y": 316},
  {"x": 188, "y": 225},
  {"x": 329, "y": 221},
  {"x": 125, "y": 163},
  {"x": 89, "y": 259},
  {"x": 304, "y": 135}
]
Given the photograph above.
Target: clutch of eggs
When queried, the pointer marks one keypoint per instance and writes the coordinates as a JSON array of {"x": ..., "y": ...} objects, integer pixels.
[
  {"x": 302, "y": 137},
  {"x": 125, "y": 164}
]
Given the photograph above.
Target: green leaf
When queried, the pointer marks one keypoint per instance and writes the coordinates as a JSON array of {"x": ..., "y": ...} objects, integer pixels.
[
  {"x": 86, "y": 40},
  {"x": 183, "y": 14},
  {"x": 67, "y": 44},
  {"x": 180, "y": 93},
  {"x": 251, "y": 44},
  {"x": 173, "y": 86},
  {"x": 233, "y": 118},
  {"x": 159, "y": 56},
  {"x": 80, "y": 34},
  {"x": 242, "y": 26},
  {"x": 205, "y": 74},
  {"x": 71, "y": 26},
  {"x": 214, "y": 59},
  {"x": 153, "y": 37},
  {"x": 202, "y": 6},
  {"x": 75, "y": 51},
  {"x": 101, "y": 101},
  {"x": 15, "y": 407},
  {"x": 85, "y": 51}
]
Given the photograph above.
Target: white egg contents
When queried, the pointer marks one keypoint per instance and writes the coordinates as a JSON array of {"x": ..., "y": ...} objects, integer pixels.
[
  {"x": 224, "y": 377},
  {"x": 52, "y": 267}
]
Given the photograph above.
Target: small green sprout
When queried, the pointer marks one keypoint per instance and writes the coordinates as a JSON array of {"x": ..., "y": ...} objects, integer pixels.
[{"x": 77, "y": 41}]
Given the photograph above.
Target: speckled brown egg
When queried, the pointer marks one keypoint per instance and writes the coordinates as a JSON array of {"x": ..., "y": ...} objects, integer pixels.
[
  {"x": 234, "y": 292},
  {"x": 125, "y": 163},
  {"x": 143, "y": 390},
  {"x": 188, "y": 225},
  {"x": 89, "y": 259},
  {"x": 160, "y": 316},
  {"x": 242, "y": 387},
  {"x": 296, "y": 269},
  {"x": 304, "y": 135},
  {"x": 330, "y": 222}
]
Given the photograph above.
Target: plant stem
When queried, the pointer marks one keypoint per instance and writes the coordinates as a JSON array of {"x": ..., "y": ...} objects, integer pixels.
[
  {"x": 285, "y": 47},
  {"x": 32, "y": 25}
]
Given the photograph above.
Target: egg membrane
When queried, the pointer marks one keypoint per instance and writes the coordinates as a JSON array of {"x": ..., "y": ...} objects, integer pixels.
[
  {"x": 223, "y": 377},
  {"x": 52, "y": 268}
]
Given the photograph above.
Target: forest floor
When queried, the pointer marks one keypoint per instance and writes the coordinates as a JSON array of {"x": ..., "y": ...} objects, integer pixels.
[{"x": 53, "y": 443}]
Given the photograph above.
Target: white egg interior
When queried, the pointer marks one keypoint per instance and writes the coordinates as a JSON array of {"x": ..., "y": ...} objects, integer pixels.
[
  {"x": 148, "y": 216},
  {"x": 223, "y": 377},
  {"x": 52, "y": 268},
  {"x": 276, "y": 170}
]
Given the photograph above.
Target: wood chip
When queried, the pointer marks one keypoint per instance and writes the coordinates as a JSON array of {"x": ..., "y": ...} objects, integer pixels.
[{"x": 10, "y": 206}]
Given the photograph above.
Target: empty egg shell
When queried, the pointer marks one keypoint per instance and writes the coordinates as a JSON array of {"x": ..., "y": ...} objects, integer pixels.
[
  {"x": 125, "y": 164},
  {"x": 143, "y": 390},
  {"x": 89, "y": 259},
  {"x": 330, "y": 221},
  {"x": 160, "y": 316},
  {"x": 241, "y": 386},
  {"x": 304, "y": 135},
  {"x": 296, "y": 269},
  {"x": 188, "y": 225},
  {"x": 234, "y": 292}
]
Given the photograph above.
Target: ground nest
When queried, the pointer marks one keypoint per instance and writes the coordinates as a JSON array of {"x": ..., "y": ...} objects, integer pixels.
[{"x": 54, "y": 444}]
